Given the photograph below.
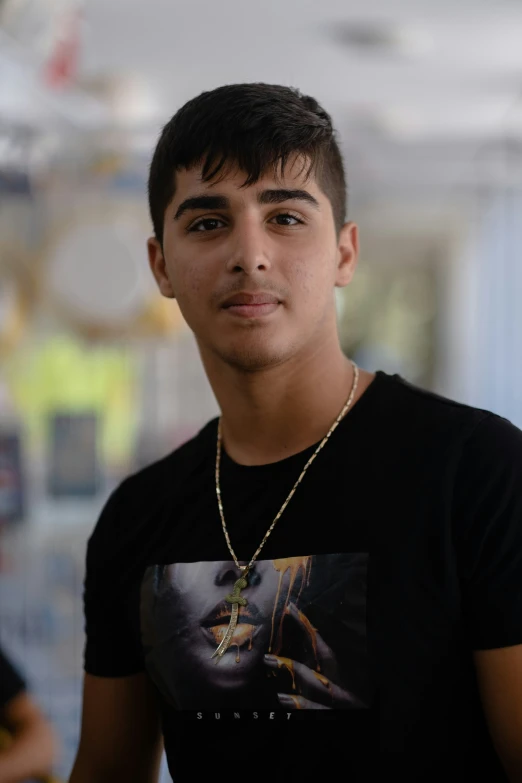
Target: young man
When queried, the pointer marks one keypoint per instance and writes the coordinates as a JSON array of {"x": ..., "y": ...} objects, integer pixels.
[
  {"x": 28, "y": 746},
  {"x": 331, "y": 574}
]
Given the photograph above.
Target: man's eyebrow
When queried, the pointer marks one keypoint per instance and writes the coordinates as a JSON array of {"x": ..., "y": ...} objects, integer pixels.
[
  {"x": 201, "y": 202},
  {"x": 274, "y": 196},
  {"x": 283, "y": 194}
]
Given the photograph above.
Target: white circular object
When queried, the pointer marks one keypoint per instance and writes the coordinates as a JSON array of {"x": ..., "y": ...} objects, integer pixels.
[
  {"x": 99, "y": 271},
  {"x": 36, "y": 24}
]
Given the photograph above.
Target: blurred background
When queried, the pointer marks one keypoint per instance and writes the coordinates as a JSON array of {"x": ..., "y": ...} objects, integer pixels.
[{"x": 98, "y": 374}]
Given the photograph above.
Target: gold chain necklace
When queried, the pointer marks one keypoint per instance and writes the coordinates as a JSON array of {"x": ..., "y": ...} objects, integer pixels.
[{"x": 235, "y": 598}]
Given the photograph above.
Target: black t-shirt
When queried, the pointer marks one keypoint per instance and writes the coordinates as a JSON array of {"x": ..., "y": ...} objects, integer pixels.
[
  {"x": 398, "y": 556},
  {"x": 11, "y": 682}
]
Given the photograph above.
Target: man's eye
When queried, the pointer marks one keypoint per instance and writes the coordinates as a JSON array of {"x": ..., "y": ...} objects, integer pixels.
[
  {"x": 206, "y": 224},
  {"x": 286, "y": 219}
]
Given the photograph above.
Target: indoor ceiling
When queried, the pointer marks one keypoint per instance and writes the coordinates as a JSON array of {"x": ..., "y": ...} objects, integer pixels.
[{"x": 415, "y": 92}]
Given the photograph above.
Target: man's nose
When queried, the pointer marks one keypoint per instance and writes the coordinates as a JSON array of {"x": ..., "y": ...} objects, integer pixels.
[{"x": 249, "y": 249}]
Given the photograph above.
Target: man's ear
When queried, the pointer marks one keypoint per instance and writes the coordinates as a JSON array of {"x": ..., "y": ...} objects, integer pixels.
[
  {"x": 348, "y": 254},
  {"x": 159, "y": 268}
]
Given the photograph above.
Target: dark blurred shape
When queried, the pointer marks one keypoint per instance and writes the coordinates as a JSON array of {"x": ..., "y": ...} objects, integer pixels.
[
  {"x": 377, "y": 37},
  {"x": 74, "y": 469},
  {"x": 28, "y": 747},
  {"x": 12, "y": 490},
  {"x": 14, "y": 183}
]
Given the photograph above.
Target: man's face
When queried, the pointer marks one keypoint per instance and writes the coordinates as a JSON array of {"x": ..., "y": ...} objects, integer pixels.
[{"x": 254, "y": 269}]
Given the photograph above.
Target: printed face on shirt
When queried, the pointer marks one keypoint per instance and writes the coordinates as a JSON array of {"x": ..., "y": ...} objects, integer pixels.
[
  {"x": 278, "y": 656},
  {"x": 273, "y": 244},
  {"x": 195, "y": 610}
]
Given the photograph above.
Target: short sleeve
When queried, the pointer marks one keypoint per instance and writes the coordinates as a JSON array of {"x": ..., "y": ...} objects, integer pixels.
[
  {"x": 488, "y": 534},
  {"x": 112, "y": 644},
  {"x": 12, "y": 683}
]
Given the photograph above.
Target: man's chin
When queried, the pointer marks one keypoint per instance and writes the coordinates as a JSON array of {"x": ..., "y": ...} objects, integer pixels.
[{"x": 254, "y": 357}]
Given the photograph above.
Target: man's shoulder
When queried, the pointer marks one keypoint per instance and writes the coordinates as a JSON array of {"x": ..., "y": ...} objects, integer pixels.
[
  {"x": 423, "y": 411},
  {"x": 169, "y": 472},
  {"x": 138, "y": 504},
  {"x": 428, "y": 425}
]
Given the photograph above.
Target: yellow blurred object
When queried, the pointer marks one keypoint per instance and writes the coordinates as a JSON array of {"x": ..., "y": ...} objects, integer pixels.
[
  {"x": 13, "y": 325},
  {"x": 17, "y": 297},
  {"x": 108, "y": 164},
  {"x": 61, "y": 375},
  {"x": 160, "y": 318}
]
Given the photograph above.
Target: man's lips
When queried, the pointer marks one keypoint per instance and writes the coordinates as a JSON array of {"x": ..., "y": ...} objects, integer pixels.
[
  {"x": 246, "y": 298},
  {"x": 251, "y": 304}
]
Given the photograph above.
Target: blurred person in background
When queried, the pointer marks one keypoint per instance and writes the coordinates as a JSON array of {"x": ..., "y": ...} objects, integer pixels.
[
  {"x": 330, "y": 574},
  {"x": 28, "y": 746}
]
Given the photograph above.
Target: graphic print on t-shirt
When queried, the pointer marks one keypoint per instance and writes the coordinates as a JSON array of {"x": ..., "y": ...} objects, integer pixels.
[{"x": 300, "y": 642}]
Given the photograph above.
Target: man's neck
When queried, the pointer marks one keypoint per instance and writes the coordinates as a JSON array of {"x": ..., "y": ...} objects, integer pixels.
[{"x": 272, "y": 414}]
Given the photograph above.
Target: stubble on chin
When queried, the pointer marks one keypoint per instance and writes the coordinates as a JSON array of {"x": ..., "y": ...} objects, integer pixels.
[{"x": 248, "y": 355}]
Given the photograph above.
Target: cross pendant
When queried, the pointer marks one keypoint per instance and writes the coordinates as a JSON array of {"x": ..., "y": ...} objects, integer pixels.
[{"x": 236, "y": 600}]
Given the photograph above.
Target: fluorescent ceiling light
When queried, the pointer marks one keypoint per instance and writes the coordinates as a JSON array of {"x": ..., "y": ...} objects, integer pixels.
[
  {"x": 443, "y": 121},
  {"x": 402, "y": 39}
]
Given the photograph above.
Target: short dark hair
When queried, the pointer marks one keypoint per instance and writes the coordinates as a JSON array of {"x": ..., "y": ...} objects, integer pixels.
[{"x": 255, "y": 127}]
